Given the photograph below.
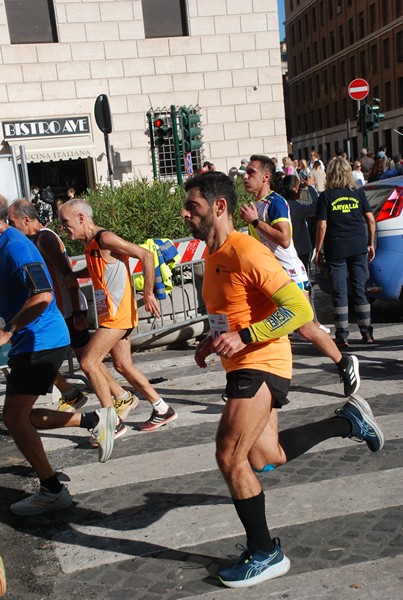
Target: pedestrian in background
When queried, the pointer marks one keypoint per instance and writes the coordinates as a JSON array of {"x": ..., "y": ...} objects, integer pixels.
[{"x": 347, "y": 246}]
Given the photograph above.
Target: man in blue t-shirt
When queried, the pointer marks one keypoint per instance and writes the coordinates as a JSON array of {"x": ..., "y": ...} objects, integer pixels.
[{"x": 31, "y": 322}]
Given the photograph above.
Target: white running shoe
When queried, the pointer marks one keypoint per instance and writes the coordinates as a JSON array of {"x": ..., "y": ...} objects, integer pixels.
[
  {"x": 42, "y": 502},
  {"x": 104, "y": 432}
]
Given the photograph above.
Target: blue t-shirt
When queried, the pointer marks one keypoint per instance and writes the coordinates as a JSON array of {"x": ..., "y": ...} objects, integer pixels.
[
  {"x": 47, "y": 331},
  {"x": 346, "y": 234}
]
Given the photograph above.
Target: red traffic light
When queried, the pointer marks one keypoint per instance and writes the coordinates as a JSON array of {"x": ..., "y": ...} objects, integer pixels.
[{"x": 159, "y": 122}]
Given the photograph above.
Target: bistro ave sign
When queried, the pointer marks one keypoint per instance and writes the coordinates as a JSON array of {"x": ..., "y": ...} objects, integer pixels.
[{"x": 45, "y": 128}]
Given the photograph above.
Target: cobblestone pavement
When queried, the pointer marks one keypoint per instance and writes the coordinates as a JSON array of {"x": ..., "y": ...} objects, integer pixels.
[{"x": 156, "y": 521}]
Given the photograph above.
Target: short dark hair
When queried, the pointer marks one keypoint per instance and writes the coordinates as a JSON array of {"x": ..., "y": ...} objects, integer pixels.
[
  {"x": 213, "y": 185},
  {"x": 24, "y": 208},
  {"x": 266, "y": 162}
]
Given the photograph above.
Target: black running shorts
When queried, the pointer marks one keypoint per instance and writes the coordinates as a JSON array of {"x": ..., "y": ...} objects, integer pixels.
[
  {"x": 78, "y": 339},
  {"x": 245, "y": 383},
  {"x": 33, "y": 373}
]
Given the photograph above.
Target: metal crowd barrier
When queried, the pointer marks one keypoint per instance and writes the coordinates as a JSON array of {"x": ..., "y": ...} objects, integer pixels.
[{"x": 183, "y": 310}]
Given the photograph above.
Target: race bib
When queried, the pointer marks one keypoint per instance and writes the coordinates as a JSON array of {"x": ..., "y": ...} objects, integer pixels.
[
  {"x": 218, "y": 324},
  {"x": 101, "y": 304}
]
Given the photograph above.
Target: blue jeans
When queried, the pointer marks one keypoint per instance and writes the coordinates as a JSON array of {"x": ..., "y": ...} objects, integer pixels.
[{"x": 357, "y": 268}]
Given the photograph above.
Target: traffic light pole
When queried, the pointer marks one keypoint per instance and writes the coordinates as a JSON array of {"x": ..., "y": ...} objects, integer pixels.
[
  {"x": 176, "y": 144},
  {"x": 150, "y": 129},
  {"x": 362, "y": 122}
]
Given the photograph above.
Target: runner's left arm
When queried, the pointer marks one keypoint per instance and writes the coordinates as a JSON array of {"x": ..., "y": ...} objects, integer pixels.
[{"x": 293, "y": 311}]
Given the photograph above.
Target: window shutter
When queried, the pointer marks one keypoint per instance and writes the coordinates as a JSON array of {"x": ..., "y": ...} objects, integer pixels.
[{"x": 31, "y": 21}]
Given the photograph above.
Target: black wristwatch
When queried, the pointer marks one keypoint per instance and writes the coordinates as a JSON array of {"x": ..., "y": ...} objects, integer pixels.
[
  {"x": 256, "y": 222},
  {"x": 9, "y": 327}
]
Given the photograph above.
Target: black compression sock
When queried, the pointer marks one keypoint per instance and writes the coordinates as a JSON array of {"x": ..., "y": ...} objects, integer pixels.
[
  {"x": 252, "y": 513},
  {"x": 298, "y": 440},
  {"x": 89, "y": 420},
  {"x": 52, "y": 484}
]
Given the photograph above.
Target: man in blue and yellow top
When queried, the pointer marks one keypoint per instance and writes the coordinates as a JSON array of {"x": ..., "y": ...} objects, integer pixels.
[
  {"x": 37, "y": 332},
  {"x": 268, "y": 217}
]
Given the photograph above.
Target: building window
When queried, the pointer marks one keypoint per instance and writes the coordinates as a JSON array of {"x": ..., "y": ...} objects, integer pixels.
[
  {"x": 303, "y": 94},
  {"x": 372, "y": 18},
  {"x": 332, "y": 43},
  {"x": 361, "y": 25},
  {"x": 31, "y": 21},
  {"x": 386, "y": 54},
  {"x": 299, "y": 25},
  {"x": 363, "y": 64},
  {"x": 351, "y": 31},
  {"x": 325, "y": 81},
  {"x": 308, "y": 58},
  {"x": 341, "y": 37},
  {"x": 327, "y": 116},
  {"x": 317, "y": 85},
  {"x": 165, "y": 18},
  {"x": 385, "y": 12},
  {"x": 388, "y": 96},
  {"x": 306, "y": 24},
  {"x": 352, "y": 66},
  {"x": 400, "y": 90},
  {"x": 323, "y": 48},
  {"x": 315, "y": 52},
  {"x": 343, "y": 71},
  {"x": 399, "y": 46},
  {"x": 330, "y": 8},
  {"x": 374, "y": 58},
  {"x": 398, "y": 9},
  {"x": 321, "y": 13},
  {"x": 313, "y": 19},
  {"x": 334, "y": 78}
]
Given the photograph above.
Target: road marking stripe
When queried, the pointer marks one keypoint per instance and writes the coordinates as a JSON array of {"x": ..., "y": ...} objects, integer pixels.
[{"x": 118, "y": 538}]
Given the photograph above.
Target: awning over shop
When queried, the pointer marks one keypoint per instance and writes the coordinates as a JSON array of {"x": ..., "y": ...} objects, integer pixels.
[{"x": 49, "y": 150}]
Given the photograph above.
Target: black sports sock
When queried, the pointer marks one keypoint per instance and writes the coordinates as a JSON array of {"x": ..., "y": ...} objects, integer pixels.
[
  {"x": 252, "y": 513},
  {"x": 52, "y": 484},
  {"x": 89, "y": 420},
  {"x": 343, "y": 362},
  {"x": 298, "y": 440}
]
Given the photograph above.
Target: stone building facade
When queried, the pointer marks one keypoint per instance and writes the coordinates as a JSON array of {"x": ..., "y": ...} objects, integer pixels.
[{"x": 226, "y": 61}]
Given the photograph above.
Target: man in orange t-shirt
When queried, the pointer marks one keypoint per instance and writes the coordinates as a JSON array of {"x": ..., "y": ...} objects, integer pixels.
[{"x": 252, "y": 305}]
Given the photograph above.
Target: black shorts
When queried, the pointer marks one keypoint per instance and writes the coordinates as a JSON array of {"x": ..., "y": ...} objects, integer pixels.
[
  {"x": 78, "y": 339},
  {"x": 33, "y": 373},
  {"x": 245, "y": 383},
  {"x": 125, "y": 336}
]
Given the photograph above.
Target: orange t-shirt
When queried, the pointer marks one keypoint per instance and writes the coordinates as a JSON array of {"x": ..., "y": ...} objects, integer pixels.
[
  {"x": 239, "y": 281},
  {"x": 114, "y": 296}
]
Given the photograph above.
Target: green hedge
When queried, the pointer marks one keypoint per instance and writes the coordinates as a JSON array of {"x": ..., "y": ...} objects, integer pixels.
[{"x": 138, "y": 209}]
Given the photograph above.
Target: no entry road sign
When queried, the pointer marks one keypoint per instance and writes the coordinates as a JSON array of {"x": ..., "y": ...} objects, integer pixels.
[{"x": 358, "y": 89}]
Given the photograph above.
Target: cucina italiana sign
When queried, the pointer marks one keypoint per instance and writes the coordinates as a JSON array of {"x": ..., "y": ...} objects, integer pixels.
[{"x": 46, "y": 128}]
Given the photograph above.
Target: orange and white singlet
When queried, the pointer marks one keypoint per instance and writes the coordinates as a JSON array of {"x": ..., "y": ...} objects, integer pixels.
[{"x": 114, "y": 296}]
